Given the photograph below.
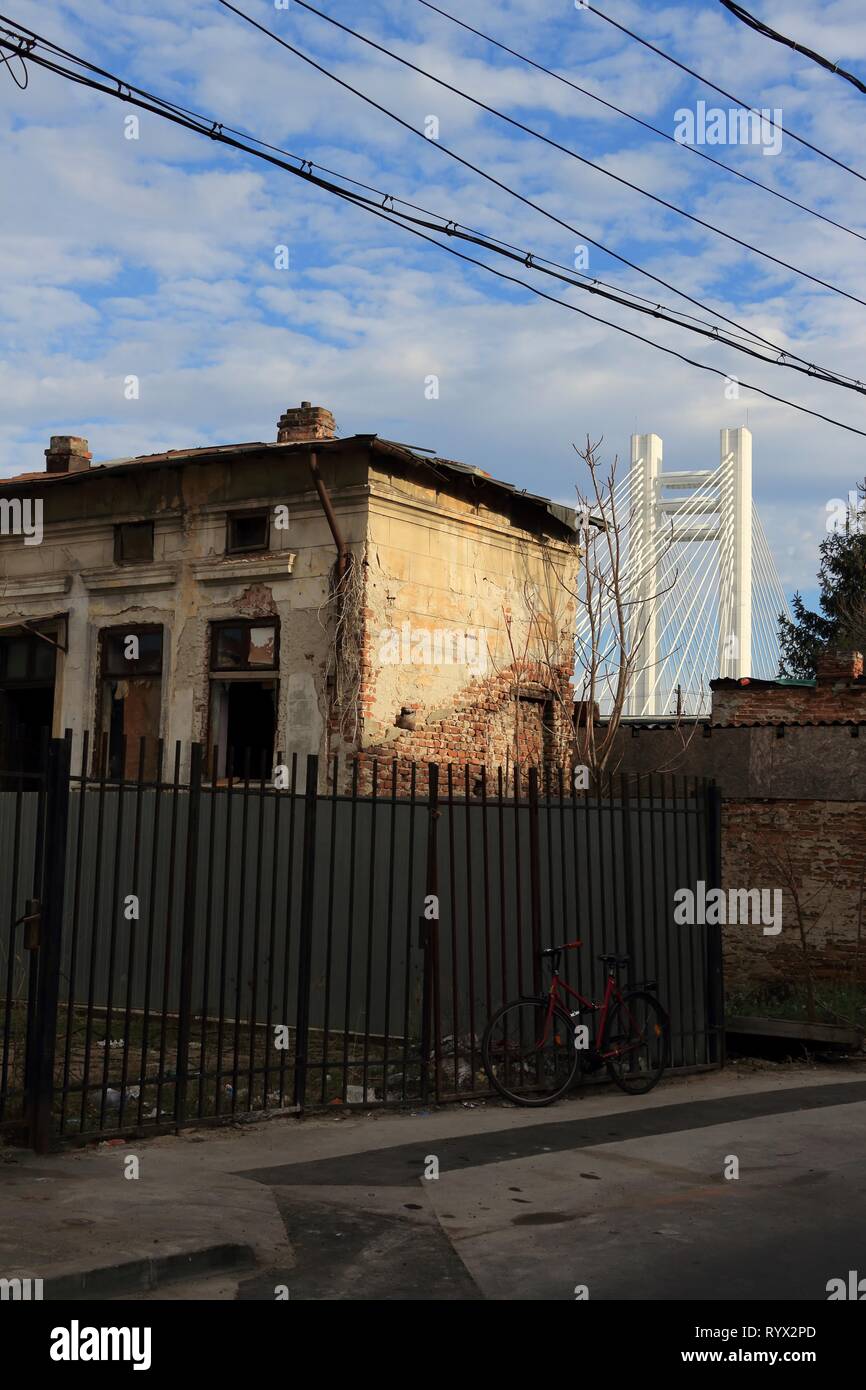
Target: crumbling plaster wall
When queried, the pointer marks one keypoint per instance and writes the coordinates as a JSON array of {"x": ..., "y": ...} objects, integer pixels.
[{"x": 440, "y": 561}]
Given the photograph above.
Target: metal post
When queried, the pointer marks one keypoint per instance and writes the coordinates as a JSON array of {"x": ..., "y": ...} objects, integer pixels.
[
  {"x": 430, "y": 938},
  {"x": 534, "y": 878},
  {"x": 41, "y": 1101},
  {"x": 305, "y": 940},
  {"x": 715, "y": 966},
  {"x": 187, "y": 949}
]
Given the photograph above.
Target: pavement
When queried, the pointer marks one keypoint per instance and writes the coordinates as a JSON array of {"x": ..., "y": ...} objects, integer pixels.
[{"x": 602, "y": 1196}]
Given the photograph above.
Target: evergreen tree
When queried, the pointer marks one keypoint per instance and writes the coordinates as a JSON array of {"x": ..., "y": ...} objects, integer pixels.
[{"x": 841, "y": 623}]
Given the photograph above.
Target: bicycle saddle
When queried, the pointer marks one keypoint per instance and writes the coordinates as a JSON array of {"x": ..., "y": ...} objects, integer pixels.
[{"x": 615, "y": 960}]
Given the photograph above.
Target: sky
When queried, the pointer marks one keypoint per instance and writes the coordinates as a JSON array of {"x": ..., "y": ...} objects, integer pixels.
[{"x": 156, "y": 257}]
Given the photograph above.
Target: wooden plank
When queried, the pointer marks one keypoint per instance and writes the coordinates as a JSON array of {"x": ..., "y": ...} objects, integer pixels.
[{"x": 799, "y": 1029}]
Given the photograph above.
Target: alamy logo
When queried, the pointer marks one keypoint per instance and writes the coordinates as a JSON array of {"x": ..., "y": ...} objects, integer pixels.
[
  {"x": 441, "y": 646},
  {"x": 719, "y": 907},
  {"x": 736, "y": 126},
  {"x": 20, "y": 1290},
  {"x": 77, "y": 1343},
  {"x": 854, "y": 1288},
  {"x": 22, "y": 518}
]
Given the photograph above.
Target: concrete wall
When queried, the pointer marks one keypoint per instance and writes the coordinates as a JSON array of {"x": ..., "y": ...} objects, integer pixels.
[{"x": 793, "y": 761}]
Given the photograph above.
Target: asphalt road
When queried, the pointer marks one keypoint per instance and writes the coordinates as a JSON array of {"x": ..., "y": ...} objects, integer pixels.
[{"x": 633, "y": 1204}]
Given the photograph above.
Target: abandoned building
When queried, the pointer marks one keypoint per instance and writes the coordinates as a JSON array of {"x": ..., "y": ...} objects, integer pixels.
[{"x": 313, "y": 594}]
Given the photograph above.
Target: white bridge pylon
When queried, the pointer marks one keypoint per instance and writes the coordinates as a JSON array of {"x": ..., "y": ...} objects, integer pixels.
[
  {"x": 710, "y": 506},
  {"x": 698, "y": 579}
]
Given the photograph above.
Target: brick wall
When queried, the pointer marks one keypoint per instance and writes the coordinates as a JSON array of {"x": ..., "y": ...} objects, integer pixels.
[
  {"x": 839, "y": 692},
  {"x": 815, "y": 851}
]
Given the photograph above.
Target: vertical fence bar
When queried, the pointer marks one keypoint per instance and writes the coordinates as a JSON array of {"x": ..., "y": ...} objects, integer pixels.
[
  {"x": 350, "y": 931},
  {"x": 224, "y": 944},
  {"x": 169, "y": 924},
  {"x": 187, "y": 947},
  {"x": 534, "y": 877},
  {"x": 51, "y": 929},
  {"x": 452, "y": 912},
  {"x": 371, "y": 898},
  {"x": 151, "y": 925},
  {"x": 94, "y": 928},
  {"x": 254, "y": 1001},
  {"x": 389, "y": 929},
  {"x": 114, "y": 911},
  {"x": 208, "y": 915},
  {"x": 715, "y": 982},
  {"x": 305, "y": 940},
  {"x": 287, "y": 938},
  {"x": 470, "y": 939},
  {"x": 131, "y": 928},
  {"x": 429, "y": 937},
  {"x": 693, "y": 825},
  {"x": 239, "y": 958},
  {"x": 11, "y": 1003},
  {"x": 329, "y": 935},
  {"x": 628, "y": 870},
  {"x": 272, "y": 932},
  {"x": 409, "y": 1013}
]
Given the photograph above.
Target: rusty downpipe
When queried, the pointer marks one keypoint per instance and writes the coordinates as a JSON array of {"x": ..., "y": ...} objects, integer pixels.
[{"x": 327, "y": 508}]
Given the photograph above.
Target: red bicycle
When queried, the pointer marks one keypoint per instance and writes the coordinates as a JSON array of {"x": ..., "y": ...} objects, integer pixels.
[{"x": 535, "y": 1048}]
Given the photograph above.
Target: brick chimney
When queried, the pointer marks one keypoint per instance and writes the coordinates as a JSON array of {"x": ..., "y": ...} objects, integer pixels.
[
  {"x": 305, "y": 422},
  {"x": 833, "y": 666},
  {"x": 68, "y": 454}
]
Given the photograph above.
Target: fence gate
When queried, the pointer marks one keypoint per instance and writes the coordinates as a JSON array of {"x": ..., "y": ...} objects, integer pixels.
[{"x": 205, "y": 947}]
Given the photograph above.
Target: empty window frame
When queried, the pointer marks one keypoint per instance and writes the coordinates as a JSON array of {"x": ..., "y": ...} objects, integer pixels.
[
  {"x": 133, "y": 543},
  {"x": 244, "y": 662},
  {"x": 248, "y": 531},
  {"x": 130, "y": 699},
  {"x": 27, "y": 669}
]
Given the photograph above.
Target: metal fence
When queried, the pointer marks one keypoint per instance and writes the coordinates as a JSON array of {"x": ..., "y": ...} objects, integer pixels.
[{"x": 208, "y": 947}]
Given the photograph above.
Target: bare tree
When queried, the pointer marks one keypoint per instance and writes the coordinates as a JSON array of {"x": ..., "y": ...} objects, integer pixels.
[{"x": 612, "y": 597}]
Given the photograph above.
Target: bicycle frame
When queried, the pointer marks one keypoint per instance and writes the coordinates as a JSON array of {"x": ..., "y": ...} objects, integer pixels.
[{"x": 612, "y": 991}]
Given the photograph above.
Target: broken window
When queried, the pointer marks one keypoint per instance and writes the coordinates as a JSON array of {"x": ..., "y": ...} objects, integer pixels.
[
  {"x": 243, "y": 697},
  {"x": 27, "y": 664},
  {"x": 133, "y": 543},
  {"x": 131, "y": 699},
  {"x": 247, "y": 531}
]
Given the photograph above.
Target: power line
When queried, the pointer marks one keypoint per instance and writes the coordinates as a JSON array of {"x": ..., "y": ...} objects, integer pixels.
[
  {"x": 758, "y": 25},
  {"x": 557, "y": 145},
  {"x": 130, "y": 94},
  {"x": 491, "y": 178},
  {"x": 647, "y": 125},
  {"x": 590, "y": 9},
  {"x": 221, "y": 133},
  {"x": 620, "y": 328}
]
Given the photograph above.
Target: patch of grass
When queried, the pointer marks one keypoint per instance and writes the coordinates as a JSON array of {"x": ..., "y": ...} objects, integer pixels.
[{"x": 835, "y": 1003}]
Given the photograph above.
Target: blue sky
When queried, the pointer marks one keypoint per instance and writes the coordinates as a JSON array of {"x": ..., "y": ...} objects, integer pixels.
[{"x": 155, "y": 257}]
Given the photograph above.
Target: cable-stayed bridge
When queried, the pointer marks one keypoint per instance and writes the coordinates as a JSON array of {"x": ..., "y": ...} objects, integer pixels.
[{"x": 702, "y": 595}]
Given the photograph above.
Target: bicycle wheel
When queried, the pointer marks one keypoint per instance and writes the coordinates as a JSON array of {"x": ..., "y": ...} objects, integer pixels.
[
  {"x": 530, "y": 1059},
  {"x": 637, "y": 1034}
]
